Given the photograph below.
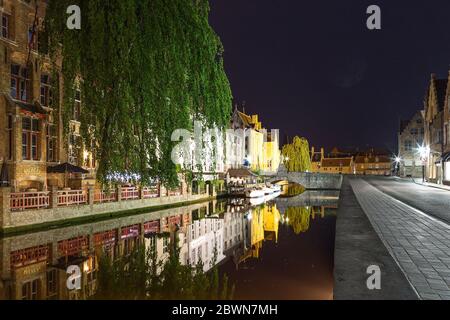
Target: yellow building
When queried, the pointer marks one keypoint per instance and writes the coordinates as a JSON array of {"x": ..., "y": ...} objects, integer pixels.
[
  {"x": 337, "y": 165},
  {"x": 370, "y": 164},
  {"x": 319, "y": 163},
  {"x": 261, "y": 149},
  {"x": 272, "y": 154}
]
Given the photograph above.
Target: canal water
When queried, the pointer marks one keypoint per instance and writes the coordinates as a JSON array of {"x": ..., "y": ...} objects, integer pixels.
[{"x": 282, "y": 249}]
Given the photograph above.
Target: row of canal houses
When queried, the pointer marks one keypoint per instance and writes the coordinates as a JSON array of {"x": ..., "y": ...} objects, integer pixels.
[
  {"x": 31, "y": 130},
  {"x": 424, "y": 140},
  {"x": 34, "y": 266}
]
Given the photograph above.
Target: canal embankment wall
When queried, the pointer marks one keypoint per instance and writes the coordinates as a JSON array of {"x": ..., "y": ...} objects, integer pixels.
[{"x": 23, "y": 220}]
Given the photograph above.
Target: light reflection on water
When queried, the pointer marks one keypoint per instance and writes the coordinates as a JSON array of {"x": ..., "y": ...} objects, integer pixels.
[{"x": 280, "y": 250}]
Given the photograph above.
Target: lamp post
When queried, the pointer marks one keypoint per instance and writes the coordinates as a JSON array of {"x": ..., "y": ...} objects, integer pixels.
[
  {"x": 424, "y": 152},
  {"x": 397, "y": 161}
]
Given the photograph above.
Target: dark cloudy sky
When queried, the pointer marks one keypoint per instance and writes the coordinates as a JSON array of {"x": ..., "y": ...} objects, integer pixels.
[{"x": 312, "y": 68}]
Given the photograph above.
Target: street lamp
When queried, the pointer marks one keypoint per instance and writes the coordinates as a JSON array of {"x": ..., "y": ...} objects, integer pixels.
[
  {"x": 424, "y": 152},
  {"x": 397, "y": 161}
]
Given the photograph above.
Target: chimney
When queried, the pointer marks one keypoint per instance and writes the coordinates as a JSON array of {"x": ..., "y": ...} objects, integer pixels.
[{"x": 433, "y": 76}]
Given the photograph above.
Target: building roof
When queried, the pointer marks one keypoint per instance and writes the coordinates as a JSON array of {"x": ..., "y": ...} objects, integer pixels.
[
  {"x": 404, "y": 124},
  {"x": 441, "y": 90},
  {"x": 246, "y": 119},
  {"x": 241, "y": 172},
  {"x": 336, "y": 162},
  {"x": 373, "y": 159}
]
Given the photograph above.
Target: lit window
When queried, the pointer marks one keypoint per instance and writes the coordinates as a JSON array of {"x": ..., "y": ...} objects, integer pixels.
[
  {"x": 30, "y": 138},
  {"x": 45, "y": 92},
  {"x": 20, "y": 83},
  {"x": 5, "y": 26}
]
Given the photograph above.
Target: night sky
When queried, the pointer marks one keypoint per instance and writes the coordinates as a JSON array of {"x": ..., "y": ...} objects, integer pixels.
[{"x": 312, "y": 68}]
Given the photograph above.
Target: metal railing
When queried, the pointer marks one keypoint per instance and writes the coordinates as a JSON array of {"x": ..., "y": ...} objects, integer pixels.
[
  {"x": 29, "y": 200},
  {"x": 20, "y": 201},
  {"x": 71, "y": 197},
  {"x": 150, "y": 192},
  {"x": 105, "y": 196},
  {"x": 129, "y": 193}
]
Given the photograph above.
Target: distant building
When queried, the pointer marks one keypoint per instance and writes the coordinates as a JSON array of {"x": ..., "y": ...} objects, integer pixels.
[
  {"x": 372, "y": 164},
  {"x": 446, "y": 154},
  {"x": 410, "y": 137},
  {"x": 254, "y": 138},
  {"x": 336, "y": 164},
  {"x": 261, "y": 150},
  {"x": 433, "y": 120},
  {"x": 272, "y": 154},
  {"x": 316, "y": 159}
]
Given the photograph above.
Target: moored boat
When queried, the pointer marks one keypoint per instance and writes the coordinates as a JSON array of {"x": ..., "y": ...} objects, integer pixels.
[{"x": 254, "y": 193}]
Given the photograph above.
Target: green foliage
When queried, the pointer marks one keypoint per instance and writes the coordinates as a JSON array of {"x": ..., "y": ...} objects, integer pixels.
[
  {"x": 296, "y": 155},
  {"x": 141, "y": 275},
  {"x": 145, "y": 68}
]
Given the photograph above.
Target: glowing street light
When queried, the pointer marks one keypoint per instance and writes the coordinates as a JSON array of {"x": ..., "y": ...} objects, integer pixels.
[{"x": 424, "y": 153}]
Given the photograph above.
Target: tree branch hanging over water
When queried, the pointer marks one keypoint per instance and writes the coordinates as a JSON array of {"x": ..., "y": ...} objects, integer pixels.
[{"x": 145, "y": 68}]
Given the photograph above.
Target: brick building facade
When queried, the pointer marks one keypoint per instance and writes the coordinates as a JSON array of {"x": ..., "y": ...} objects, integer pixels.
[
  {"x": 410, "y": 137},
  {"x": 31, "y": 134}
]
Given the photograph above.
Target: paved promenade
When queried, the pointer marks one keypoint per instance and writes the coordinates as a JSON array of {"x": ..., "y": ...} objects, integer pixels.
[
  {"x": 357, "y": 247},
  {"x": 418, "y": 242},
  {"x": 433, "y": 201}
]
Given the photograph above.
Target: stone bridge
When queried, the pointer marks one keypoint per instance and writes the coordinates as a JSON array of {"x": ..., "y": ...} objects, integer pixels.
[
  {"x": 313, "y": 198},
  {"x": 309, "y": 180}
]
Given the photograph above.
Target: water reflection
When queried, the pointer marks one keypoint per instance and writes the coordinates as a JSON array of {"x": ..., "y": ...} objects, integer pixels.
[{"x": 234, "y": 235}]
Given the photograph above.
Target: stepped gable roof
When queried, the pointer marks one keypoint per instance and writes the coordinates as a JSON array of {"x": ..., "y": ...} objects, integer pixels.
[
  {"x": 336, "y": 162},
  {"x": 373, "y": 159},
  {"x": 441, "y": 90}
]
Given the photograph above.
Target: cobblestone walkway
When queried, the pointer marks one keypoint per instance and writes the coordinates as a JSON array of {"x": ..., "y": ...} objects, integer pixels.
[{"x": 419, "y": 243}]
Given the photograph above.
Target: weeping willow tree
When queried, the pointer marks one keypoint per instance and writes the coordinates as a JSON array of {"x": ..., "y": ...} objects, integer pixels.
[
  {"x": 144, "y": 68},
  {"x": 296, "y": 155},
  {"x": 299, "y": 218}
]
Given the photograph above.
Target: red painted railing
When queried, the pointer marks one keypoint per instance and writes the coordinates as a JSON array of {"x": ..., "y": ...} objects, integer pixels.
[
  {"x": 71, "y": 197},
  {"x": 150, "y": 192},
  {"x": 129, "y": 193},
  {"x": 105, "y": 196},
  {"x": 29, "y": 200},
  {"x": 41, "y": 199},
  {"x": 174, "y": 192}
]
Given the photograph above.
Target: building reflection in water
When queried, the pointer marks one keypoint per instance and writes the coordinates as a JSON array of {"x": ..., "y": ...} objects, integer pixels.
[{"x": 33, "y": 266}]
